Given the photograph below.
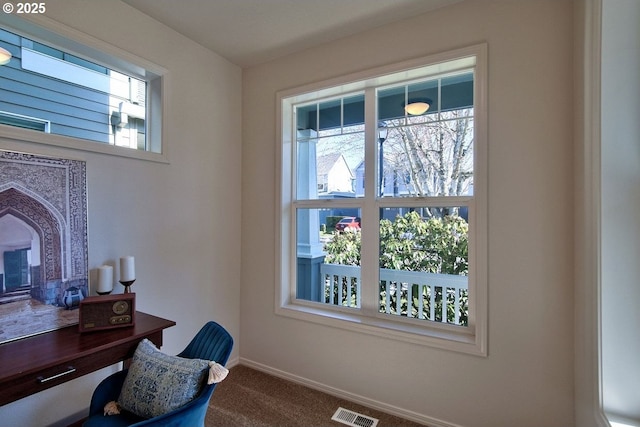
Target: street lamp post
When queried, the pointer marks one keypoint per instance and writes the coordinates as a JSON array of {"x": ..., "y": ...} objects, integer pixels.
[{"x": 382, "y": 137}]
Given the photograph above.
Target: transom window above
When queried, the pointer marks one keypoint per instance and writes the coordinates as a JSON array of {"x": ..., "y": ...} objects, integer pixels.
[
  {"x": 383, "y": 203},
  {"x": 58, "y": 86}
]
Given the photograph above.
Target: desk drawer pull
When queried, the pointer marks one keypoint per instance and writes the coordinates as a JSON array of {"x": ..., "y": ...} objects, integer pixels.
[{"x": 70, "y": 370}]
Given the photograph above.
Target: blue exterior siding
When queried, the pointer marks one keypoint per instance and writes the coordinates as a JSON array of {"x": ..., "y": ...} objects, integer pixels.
[{"x": 72, "y": 110}]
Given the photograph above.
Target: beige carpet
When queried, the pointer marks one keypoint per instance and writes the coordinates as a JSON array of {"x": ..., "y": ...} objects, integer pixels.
[{"x": 250, "y": 398}]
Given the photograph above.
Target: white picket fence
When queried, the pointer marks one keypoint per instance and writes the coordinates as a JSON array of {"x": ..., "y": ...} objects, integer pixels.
[{"x": 342, "y": 287}]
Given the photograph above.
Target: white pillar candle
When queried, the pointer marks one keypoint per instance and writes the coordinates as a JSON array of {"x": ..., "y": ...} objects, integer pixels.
[
  {"x": 105, "y": 279},
  {"x": 127, "y": 269}
]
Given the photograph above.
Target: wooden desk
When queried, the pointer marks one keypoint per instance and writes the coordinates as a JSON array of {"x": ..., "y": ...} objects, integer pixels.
[{"x": 30, "y": 365}]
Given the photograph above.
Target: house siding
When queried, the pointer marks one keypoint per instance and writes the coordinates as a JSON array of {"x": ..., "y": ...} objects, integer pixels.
[{"x": 71, "y": 109}]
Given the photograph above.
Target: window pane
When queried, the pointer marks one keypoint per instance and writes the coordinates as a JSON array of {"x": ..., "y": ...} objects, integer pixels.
[
  {"x": 330, "y": 149},
  {"x": 392, "y": 101},
  {"x": 428, "y": 159},
  {"x": 428, "y": 152},
  {"x": 328, "y": 256},
  {"x": 424, "y": 263},
  {"x": 456, "y": 91}
]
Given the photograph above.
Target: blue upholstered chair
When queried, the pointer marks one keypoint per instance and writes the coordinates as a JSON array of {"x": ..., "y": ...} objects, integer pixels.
[{"x": 212, "y": 342}]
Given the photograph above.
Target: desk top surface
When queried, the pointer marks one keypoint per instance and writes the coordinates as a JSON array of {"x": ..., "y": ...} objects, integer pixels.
[{"x": 62, "y": 345}]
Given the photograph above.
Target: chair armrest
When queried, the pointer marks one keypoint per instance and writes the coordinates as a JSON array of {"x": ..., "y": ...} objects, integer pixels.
[{"x": 106, "y": 391}]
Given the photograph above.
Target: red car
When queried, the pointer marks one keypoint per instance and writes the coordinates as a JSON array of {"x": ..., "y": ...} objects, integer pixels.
[{"x": 348, "y": 222}]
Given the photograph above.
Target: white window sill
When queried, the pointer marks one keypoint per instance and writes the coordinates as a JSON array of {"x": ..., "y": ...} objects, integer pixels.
[
  {"x": 436, "y": 335},
  {"x": 31, "y": 136}
]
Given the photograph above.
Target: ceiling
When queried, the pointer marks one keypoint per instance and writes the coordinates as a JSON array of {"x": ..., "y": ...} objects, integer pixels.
[{"x": 251, "y": 32}]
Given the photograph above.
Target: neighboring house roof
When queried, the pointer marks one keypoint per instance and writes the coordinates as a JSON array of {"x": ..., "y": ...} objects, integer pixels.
[
  {"x": 328, "y": 161},
  {"x": 334, "y": 174}
]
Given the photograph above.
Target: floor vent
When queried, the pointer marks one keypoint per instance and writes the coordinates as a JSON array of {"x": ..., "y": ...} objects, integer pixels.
[{"x": 353, "y": 419}]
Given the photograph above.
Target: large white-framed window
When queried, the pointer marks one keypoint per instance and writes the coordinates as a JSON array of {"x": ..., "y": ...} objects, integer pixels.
[
  {"x": 402, "y": 251},
  {"x": 91, "y": 95}
]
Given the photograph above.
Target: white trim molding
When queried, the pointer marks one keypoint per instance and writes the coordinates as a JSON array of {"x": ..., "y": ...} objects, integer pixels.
[
  {"x": 469, "y": 340},
  {"x": 587, "y": 329}
]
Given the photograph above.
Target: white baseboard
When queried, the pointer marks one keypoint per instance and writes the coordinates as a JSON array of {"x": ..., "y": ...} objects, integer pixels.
[
  {"x": 361, "y": 400},
  {"x": 232, "y": 362}
]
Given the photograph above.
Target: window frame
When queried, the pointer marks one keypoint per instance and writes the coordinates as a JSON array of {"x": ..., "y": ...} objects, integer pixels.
[
  {"x": 59, "y": 36},
  {"x": 471, "y": 339}
]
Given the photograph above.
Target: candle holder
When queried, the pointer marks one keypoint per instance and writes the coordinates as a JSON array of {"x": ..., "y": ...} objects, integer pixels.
[
  {"x": 104, "y": 292},
  {"x": 127, "y": 285}
]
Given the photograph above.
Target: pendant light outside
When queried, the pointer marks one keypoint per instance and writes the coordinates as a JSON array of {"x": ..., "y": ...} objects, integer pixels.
[
  {"x": 5, "y": 56},
  {"x": 418, "y": 106}
]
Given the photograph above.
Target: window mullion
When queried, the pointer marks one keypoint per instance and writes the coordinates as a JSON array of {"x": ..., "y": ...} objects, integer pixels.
[{"x": 370, "y": 230}]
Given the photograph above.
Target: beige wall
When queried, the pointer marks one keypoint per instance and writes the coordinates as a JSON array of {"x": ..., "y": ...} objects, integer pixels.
[
  {"x": 527, "y": 379},
  {"x": 181, "y": 220}
]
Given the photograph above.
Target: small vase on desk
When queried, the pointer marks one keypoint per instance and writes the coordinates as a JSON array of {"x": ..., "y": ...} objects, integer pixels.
[{"x": 72, "y": 297}]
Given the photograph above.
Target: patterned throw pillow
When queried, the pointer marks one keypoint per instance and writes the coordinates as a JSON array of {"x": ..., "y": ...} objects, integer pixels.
[{"x": 157, "y": 383}]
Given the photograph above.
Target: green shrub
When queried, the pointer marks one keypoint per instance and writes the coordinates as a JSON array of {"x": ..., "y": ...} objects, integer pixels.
[{"x": 413, "y": 243}]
